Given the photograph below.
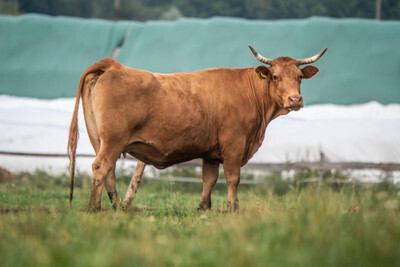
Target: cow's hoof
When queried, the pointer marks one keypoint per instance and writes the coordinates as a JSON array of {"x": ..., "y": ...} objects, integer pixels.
[
  {"x": 204, "y": 206},
  {"x": 235, "y": 208},
  {"x": 117, "y": 206},
  {"x": 125, "y": 209}
]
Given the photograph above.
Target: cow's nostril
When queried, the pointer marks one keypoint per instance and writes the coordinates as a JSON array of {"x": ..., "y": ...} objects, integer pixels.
[
  {"x": 295, "y": 101},
  {"x": 295, "y": 98}
]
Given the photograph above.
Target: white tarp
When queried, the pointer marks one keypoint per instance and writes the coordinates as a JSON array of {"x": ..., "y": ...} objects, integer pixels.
[{"x": 366, "y": 133}]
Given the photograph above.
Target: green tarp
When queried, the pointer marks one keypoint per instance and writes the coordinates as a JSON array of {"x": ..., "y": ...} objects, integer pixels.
[
  {"x": 362, "y": 62},
  {"x": 44, "y": 57}
]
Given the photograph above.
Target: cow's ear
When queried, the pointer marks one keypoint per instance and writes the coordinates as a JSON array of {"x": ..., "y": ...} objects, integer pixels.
[
  {"x": 309, "y": 71},
  {"x": 262, "y": 72}
]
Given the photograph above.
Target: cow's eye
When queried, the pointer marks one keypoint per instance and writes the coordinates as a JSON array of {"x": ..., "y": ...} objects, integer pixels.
[
  {"x": 301, "y": 77},
  {"x": 275, "y": 78}
]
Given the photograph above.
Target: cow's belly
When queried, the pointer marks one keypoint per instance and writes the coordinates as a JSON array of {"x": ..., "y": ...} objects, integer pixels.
[{"x": 161, "y": 158}]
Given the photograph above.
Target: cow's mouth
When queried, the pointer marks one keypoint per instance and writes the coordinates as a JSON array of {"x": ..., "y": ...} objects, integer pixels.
[{"x": 294, "y": 108}]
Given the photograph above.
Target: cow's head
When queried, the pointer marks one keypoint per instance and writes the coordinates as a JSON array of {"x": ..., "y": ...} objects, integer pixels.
[{"x": 285, "y": 76}]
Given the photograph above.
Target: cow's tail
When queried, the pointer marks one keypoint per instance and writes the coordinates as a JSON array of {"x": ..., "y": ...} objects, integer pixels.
[{"x": 99, "y": 68}]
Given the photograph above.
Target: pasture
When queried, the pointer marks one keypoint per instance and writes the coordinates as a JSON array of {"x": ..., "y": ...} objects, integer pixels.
[{"x": 280, "y": 223}]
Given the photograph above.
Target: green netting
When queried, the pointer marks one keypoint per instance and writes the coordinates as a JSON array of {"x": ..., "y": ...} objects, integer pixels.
[
  {"x": 362, "y": 62},
  {"x": 43, "y": 56}
]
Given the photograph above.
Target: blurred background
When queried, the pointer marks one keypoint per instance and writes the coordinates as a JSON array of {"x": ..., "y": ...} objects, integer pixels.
[{"x": 143, "y": 10}]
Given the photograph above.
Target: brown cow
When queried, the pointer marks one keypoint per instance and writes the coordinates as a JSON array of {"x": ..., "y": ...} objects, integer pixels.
[{"x": 219, "y": 115}]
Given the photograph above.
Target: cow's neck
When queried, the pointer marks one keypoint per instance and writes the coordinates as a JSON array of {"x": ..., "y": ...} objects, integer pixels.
[
  {"x": 272, "y": 109},
  {"x": 266, "y": 108},
  {"x": 262, "y": 100}
]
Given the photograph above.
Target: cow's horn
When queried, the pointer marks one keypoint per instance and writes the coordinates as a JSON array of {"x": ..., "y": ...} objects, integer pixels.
[
  {"x": 260, "y": 57},
  {"x": 310, "y": 59}
]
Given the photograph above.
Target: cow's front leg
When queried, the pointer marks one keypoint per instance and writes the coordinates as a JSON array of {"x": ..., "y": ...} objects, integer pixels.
[
  {"x": 232, "y": 173},
  {"x": 210, "y": 177},
  {"x": 134, "y": 185}
]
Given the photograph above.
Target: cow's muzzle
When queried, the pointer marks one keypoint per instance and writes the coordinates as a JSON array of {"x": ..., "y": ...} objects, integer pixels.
[{"x": 294, "y": 103}]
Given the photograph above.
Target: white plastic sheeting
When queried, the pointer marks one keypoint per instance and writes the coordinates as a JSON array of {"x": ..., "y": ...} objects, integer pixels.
[{"x": 366, "y": 133}]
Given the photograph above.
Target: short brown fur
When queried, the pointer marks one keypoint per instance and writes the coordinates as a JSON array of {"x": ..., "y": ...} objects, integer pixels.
[{"x": 219, "y": 115}]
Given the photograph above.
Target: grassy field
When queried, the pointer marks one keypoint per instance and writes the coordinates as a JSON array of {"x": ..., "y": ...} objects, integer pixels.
[{"x": 279, "y": 224}]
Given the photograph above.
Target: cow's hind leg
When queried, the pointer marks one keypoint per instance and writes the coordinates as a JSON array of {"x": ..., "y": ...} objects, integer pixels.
[
  {"x": 210, "y": 177},
  {"x": 111, "y": 188},
  {"x": 102, "y": 168},
  {"x": 134, "y": 185}
]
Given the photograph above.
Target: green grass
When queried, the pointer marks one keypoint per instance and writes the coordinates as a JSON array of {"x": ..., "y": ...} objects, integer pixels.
[{"x": 279, "y": 224}]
